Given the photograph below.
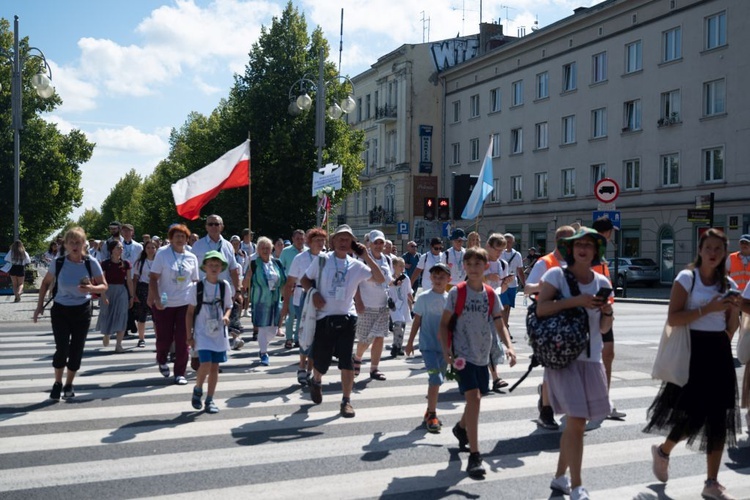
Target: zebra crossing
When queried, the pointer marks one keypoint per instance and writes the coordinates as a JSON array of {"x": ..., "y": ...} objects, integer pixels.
[{"x": 132, "y": 433}]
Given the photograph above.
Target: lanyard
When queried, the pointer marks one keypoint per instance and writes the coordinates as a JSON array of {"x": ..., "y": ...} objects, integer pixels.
[
  {"x": 457, "y": 260},
  {"x": 346, "y": 267},
  {"x": 180, "y": 262},
  {"x": 216, "y": 301},
  {"x": 209, "y": 242}
]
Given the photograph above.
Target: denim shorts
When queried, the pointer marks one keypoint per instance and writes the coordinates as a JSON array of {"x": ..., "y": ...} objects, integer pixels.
[
  {"x": 508, "y": 297},
  {"x": 474, "y": 377},
  {"x": 436, "y": 366},
  {"x": 206, "y": 356}
]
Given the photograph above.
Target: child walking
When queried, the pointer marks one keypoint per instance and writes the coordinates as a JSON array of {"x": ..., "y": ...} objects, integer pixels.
[
  {"x": 469, "y": 351},
  {"x": 207, "y": 323},
  {"x": 427, "y": 313},
  {"x": 401, "y": 295}
]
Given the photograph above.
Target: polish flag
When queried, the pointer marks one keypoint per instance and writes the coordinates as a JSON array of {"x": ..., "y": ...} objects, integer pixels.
[{"x": 232, "y": 170}]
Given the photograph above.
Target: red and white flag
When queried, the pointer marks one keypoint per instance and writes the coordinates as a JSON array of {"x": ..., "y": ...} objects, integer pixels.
[{"x": 232, "y": 170}]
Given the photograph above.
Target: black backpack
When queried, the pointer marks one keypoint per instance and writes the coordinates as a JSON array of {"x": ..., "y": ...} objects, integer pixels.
[{"x": 199, "y": 298}]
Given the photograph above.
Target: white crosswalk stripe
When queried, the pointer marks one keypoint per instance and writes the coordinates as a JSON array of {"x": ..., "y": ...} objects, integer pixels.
[{"x": 132, "y": 433}]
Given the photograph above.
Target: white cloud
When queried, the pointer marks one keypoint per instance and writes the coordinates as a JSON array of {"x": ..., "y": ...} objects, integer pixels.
[
  {"x": 63, "y": 125},
  {"x": 77, "y": 94},
  {"x": 206, "y": 88},
  {"x": 128, "y": 139}
]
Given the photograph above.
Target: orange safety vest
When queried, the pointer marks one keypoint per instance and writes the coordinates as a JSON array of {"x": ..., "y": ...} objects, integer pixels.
[
  {"x": 550, "y": 260},
  {"x": 737, "y": 271}
]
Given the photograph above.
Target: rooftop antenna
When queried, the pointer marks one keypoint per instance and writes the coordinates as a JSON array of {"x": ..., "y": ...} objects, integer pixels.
[
  {"x": 507, "y": 18},
  {"x": 536, "y": 24},
  {"x": 425, "y": 26},
  {"x": 341, "y": 39}
]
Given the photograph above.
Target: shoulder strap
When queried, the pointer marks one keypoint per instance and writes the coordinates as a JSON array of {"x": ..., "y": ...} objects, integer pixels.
[
  {"x": 446, "y": 256},
  {"x": 222, "y": 290},
  {"x": 199, "y": 298},
  {"x": 490, "y": 298},
  {"x": 572, "y": 283},
  {"x": 460, "y": 298},
  {"x": 58, "y": 267},
  {"x": 692, "y": 285}
]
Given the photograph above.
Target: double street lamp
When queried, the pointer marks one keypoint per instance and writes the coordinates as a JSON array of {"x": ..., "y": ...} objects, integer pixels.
[
  {"x": 41, "y": 83},
  {"x": 303, "y": 102}
]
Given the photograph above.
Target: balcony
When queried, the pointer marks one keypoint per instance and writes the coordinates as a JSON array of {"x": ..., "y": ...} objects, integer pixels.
[
  {"x": 380, "y": 216},
  {"x": 385, "y": 114}
]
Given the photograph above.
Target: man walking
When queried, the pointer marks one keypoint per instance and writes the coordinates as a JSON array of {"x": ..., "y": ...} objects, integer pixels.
[{"x": 287, "y": 256}]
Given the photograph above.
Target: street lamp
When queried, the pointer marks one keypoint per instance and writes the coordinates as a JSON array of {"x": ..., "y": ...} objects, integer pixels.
[
  {"x": 303, "y": 102},
  {"x": 43, "y": 87}
]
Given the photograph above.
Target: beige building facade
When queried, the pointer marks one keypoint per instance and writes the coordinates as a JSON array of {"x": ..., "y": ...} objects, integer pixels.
[{"x": 649, "y": 93}]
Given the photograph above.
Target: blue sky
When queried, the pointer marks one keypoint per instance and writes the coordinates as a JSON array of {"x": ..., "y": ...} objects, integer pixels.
[{"x": 130, "y": 71}]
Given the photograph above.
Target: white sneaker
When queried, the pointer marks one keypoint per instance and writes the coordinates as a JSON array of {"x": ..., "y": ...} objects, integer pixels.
[
  {"x": 561, "y": 484},
  {"x": 579, "y": 493},
  {"x": 616, "y": 415}
]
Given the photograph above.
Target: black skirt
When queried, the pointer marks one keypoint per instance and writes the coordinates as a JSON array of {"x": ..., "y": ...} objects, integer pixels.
[
  {"x": 18, "y": 270},
  {"x": 705, "y": 411}
]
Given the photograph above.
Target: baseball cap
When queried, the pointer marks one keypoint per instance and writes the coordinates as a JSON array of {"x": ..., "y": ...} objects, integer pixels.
[
  {"x": 458, "y": 234},
  {"x": 440, "y": 267},
  {"x": 235, "y": 238},
  {"x": 603, "y": 224},
  {"x": 115, "y": 223},
  {"x": 745, "y": 237},
  {"x": 376, "y": 235},
  {"x": 128, "y": 226}
]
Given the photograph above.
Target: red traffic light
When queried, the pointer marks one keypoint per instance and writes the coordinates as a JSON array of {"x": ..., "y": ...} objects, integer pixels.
[
  {"x": 444, "y": 209},
  {"x": 429, "y": 208},
  {"x": 429, "y": 202},
  {"x": 443, "y": 202}
]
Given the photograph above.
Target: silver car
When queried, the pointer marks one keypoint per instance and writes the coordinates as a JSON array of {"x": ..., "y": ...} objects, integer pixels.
[{"x": 635, "y": 270}]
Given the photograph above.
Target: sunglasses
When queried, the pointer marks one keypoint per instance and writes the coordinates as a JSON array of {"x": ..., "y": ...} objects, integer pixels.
[
  {"x": 437, "y": 248},
  {"x": 213, "y": 223}
]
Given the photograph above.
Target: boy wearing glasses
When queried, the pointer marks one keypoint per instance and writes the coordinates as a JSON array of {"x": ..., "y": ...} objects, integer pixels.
[{"x": 427, "y": 261}]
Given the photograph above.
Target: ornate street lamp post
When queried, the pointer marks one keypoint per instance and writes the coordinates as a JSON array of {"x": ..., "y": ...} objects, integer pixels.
[{"x": 40, "y": 82}]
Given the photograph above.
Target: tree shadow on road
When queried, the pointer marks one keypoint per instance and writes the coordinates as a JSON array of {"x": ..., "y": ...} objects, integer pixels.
[
  {"x": 130, "y": 431},
  {"x": 274, "y": 430},
  {"x": 379, "y": 449}
]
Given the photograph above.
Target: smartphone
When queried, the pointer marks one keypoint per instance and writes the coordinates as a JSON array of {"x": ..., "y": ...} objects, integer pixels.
[
  {"x": 355, "y": 248},
  {"x": 731, "y": 293},
  {"x": 604, "y": 293}
]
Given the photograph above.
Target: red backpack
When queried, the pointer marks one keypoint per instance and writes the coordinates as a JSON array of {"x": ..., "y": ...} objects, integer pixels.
[{"x": 461, "y": 301}]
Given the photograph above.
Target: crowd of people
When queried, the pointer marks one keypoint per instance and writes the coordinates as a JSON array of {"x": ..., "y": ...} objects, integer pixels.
[{"x": 457, "y": 301}]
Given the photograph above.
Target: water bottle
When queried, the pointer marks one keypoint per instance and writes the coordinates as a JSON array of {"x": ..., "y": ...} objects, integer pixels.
[{"x": 164, "y": 299}]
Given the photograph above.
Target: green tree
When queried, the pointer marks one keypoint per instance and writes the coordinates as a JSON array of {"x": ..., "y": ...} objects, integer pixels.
[
  {"x": 91, "y": 221},
  {"x": 118, "y": 205},
  {"x": 50, "y": 161}
]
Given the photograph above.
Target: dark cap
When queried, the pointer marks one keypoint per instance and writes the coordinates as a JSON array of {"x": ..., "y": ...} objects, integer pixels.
[
  {"x": 745, "y": 237},
  {"x": 603, "y": 224},
  {"x": 115, "y": 223},
  {"x": 440, "y": 267}
]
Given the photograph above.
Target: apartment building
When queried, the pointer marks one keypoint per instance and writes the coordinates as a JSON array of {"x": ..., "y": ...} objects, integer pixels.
[{"x": 646, "y": 92}]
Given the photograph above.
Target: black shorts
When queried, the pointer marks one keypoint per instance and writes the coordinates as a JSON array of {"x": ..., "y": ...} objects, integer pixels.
[
  {"x": 608, "y": 336},
  {"x": 334, "y": 336},
  {"x": 17, "y": 270}
]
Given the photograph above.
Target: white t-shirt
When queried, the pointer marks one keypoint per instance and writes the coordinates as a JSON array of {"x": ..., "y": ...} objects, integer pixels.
[
  {"x": 210, "y": 332},
  {"x": 338, "y": 283},
  {"x": 400, "y": 295},
  {"x": 24, "y": 260},
  {"x": 455, "y": 261},
  {"x": 299, "y": 265},
  {"x": 375, "y": 295},
  {"x": 515, "y": 265},
  {"x": 699, "y": 297},
  {"x": 499, "y": 267},
  {"x": 131, "y": 252},
  {"x": 144, "y": 276},
  {"x": 474, "y": 333},
  {"x": 538, "y": 270},
  {"x": 206, "y": 244},
  {"x": 176, "y": 271},
  {"x": 556, "y": 278},
  {"x": 425, "y": 263}
]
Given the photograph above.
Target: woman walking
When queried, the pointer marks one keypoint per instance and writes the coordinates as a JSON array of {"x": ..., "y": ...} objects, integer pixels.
[
  {"x": 51, "y": 253},
  {"x": 172, "y": 275},
  {"x": 75, "y": 277},
  {"x": 580, "y": 389},
  {"x": 265, "y": 279},
  {"x": 141, "y": 277},
  {"x": 704, "y": 411},
  {"x": 114, "y": 305},
  {"x": 18, "y": 259}
]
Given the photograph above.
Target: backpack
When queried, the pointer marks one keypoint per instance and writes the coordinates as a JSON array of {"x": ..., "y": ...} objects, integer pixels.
[
  {"x": 58, "y": 268},
  {"x": 199, "y": 298},
  {"x": 461, "y": 301},
  {"x": 560, "y": 338}
]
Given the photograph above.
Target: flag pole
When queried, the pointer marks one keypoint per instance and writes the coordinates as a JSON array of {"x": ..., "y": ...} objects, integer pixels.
[{"x": 249, "y": 185}]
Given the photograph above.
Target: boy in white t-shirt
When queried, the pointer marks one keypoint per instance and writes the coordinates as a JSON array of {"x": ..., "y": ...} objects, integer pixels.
[
  {"x": 207, "y": 330},
  {"x": 401, "y": 298}
]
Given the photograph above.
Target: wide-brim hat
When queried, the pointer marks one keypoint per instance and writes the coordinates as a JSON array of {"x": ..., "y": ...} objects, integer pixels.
[
  {"x": 213, "y": 254},
  {"x": 344, "y": 229},
  {"x": 458, "y": 234},
  {"x": 565, "y": 245}
]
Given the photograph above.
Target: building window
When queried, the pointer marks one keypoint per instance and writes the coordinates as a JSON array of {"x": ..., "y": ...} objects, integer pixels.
[
  {"x": 716, "y": 30},
  {"x": 670, "y": 170},
  {"x": 714, "y": 97},
  {"x": 359, "y": 109},
  {"x": 364, "y": 201},
  {"x": 516, "y": 141},
  {"x": 456, "y": 111},
  {"x": 599, "y": 123},
  {"x": 542, "y": 85},
  {"x": 495, "y": 145},
  {"x": 540, "y": 185},
  {"x": 368, "y": 102},
  {"x": 632, "y": 116},
  {"x": 632, "y": 174},
  {"x": 569, "y": 77},
  {"x": 517, "y": 93},
  {"x": 542, "y": 139},
  {"x": 633, "y": 57},
  {"x": 456, "y": 148},
  {"x": 495, "y": 100},
  {"x": 516, "y": 188},
  {"x": 598, "y": 172},
  {"x": 569, "y": 129},
  {"x": 374, "y": 196},
  {"x": 599, "y": 67},
  {"x": 631, "y": 243},
  {"x": 356, "y": 203},
  {"x": 474, "y": 144},
  {"x": 390, "y": 198},
  {"x": 374, "y": 143},
  {"x": 671, "y": 41},
  {"x": 495, "y": 194},
  {"x": 366, "y": 157},
  {"x": 474, "y": 106},
  {"x": 670, "y": 107},
  {"x": 713, "y": 164},
  {"x": 569, "y": 182}
]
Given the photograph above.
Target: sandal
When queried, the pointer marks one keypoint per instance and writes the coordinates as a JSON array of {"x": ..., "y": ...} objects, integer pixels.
[
  {"x": 196, "y": 400},
  {"x": 498, "y": 384},
  {"x": 377, "y": 375},
  {"x": 288, "y": 344},
  {"x": 357, "y": 365}
]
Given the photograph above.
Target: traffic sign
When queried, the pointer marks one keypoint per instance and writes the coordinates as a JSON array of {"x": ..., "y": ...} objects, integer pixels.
[
  {"x": 612, "y": 215},
  {"x": 698, "y": 215},
  {"x": 446, "y": 229},
  {"x": 606, "y": 190},
  {"x": 403, "y": 228}
]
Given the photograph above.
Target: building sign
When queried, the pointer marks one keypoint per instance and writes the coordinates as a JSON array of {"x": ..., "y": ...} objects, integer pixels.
[
  {"x": 424, "y": 186},
  {"x": 329, "y": 176},
  {"x": 448, "y": 53},
  {"x": 425, "y": 149}
]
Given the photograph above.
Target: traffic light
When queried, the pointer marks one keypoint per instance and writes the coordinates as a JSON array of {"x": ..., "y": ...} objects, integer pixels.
[
  {"x": 429, "y": 208},
  {"x": 444, "y": 212}
]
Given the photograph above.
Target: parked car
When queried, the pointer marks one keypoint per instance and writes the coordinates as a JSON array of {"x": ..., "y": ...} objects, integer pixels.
[
  {"x": 635, "y": 270},
  {"x": 6, "y": 285}
]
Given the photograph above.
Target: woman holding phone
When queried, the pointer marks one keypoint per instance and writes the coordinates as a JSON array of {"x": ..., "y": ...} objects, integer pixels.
[{"x": 704, "y": 411}]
